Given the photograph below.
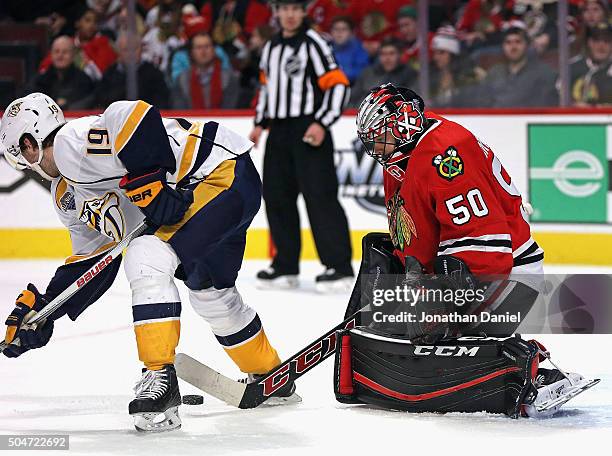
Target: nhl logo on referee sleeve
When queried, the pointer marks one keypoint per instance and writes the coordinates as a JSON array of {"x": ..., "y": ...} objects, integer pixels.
[{"x": 449, "y": 165}]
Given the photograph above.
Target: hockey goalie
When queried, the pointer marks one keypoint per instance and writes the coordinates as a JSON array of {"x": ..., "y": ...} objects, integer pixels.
[{"x": 455, "y": 218}]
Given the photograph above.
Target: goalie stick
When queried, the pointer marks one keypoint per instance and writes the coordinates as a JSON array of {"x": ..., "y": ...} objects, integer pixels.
[
  {"x": 81, "y": 281},
  {"x": 251, "y": 395}
]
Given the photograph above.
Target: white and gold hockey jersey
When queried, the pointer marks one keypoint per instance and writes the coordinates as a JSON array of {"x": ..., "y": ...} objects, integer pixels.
[{"x": 93, "y": 153}]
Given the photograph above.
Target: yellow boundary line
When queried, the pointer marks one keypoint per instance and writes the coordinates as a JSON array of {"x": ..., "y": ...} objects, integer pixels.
[{"x": 559, "y": 247}]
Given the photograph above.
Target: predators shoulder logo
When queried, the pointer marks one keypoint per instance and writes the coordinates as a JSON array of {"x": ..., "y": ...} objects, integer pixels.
[
  {"x": 401, "y": 225},
  {"x": 104, "y": 215},
  {"x": 449, "y": 165},
  {"x": 67, "y": 203}
]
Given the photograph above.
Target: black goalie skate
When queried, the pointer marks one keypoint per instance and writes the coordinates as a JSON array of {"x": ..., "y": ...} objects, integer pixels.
[{"x": 155, "y": 408}]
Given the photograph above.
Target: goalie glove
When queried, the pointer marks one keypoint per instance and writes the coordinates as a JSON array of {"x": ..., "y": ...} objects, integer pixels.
[
  {"x": 160, "y": 203},
  {"x": 28, "y": 303}
]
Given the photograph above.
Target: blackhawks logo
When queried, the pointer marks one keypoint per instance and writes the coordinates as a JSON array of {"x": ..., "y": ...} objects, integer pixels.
[
  {"x": 401, "y": 225},
  {"x": 449, "y": 165}
]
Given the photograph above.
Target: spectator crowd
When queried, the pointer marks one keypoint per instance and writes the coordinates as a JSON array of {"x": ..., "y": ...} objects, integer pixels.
[{"x": 204, "y": 54}]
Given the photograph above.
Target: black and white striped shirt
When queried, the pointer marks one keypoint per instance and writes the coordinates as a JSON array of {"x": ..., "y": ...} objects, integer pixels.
[{"x": 300, "y": 77}]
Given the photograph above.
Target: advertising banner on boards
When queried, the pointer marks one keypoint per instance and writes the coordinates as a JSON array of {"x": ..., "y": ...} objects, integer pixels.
[{"x": 569, "y": 172}]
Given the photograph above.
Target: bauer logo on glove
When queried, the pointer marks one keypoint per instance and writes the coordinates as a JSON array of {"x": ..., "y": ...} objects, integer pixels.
[
  {"x": 161, "y": 204},
  {"x": 141, "y": 197}
]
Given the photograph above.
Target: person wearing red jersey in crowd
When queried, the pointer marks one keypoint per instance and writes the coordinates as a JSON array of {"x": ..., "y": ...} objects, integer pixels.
[
  {"x": 234, "y": 17},
  {"x": 482, "y": 20},
  {"x": 407, "y": 34},
  {"x": 231, "y": 23},
  {"x": 451, "y": 204},
  {"x": 94, "y": 52},
  {"x": 323, "y": 12},
  {"x": 67, "y": 84},
  {"x": 376, "y": 20}
]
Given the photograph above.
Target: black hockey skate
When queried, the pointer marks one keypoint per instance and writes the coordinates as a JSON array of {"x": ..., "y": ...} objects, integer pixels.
[
  {"x": 332, "y": 280},
  {"x": 284, "y": 396},
  {"x": 273, "y": 279},
  {"x": 155, "y": 408}
]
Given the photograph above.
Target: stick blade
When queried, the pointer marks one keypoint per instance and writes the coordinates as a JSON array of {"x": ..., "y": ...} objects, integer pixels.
[{"x": 209, "y": 380}]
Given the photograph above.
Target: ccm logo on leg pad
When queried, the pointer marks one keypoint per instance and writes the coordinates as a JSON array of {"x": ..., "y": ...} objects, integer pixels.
[{"x": 448, "y": 350}]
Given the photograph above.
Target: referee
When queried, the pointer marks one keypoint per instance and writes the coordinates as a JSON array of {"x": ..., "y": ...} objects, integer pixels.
[{"x": 302, "y": 94}]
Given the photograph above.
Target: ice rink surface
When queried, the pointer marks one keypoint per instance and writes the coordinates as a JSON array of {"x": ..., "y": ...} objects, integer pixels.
[{"x": 80, "y": 384}]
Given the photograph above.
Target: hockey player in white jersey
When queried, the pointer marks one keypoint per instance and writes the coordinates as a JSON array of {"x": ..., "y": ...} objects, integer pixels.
[{"x": 197, "y": 188}]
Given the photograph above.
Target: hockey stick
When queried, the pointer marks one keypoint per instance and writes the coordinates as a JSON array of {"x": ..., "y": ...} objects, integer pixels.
[
  {"x": 251, "y": 395},
  {"x": 81, "y": 281}
]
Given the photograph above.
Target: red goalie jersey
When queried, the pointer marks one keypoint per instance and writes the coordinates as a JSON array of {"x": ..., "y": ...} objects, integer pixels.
[{"x": 455, "y": 198}]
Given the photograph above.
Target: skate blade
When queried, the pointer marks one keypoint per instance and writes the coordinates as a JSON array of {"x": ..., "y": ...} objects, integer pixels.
[
  {"x": 281, "y": 283},
  {"x": 157, "y": 422},
  {"x": 570, "y": 393},
  {"x": 275, "y": 401},
  {"x": 337, "y": 286}
]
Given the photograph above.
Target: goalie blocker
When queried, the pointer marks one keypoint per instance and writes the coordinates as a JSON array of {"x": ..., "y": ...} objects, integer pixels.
[{"x": 468, "y": 374}]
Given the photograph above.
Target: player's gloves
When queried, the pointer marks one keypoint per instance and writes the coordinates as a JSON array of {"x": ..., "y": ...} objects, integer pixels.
[
  {"x": 28, "y": 303},
  {"x": 161, "y": 204}
]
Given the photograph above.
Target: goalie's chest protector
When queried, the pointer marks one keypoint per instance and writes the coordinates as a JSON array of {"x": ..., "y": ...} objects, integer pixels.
[{"x": 453, "y": 197}]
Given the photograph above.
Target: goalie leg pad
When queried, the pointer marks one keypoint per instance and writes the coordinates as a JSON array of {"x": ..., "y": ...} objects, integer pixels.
[{"x": 461, "y": 375}]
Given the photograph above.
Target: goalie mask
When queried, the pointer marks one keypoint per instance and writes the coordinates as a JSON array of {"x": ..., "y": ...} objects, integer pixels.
[
  {"x": 389, "y": 122},
  {"x": 35, "y": 114}
]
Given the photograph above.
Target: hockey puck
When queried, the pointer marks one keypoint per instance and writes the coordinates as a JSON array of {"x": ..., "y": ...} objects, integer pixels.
[{"x": 193, "y": 399}]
